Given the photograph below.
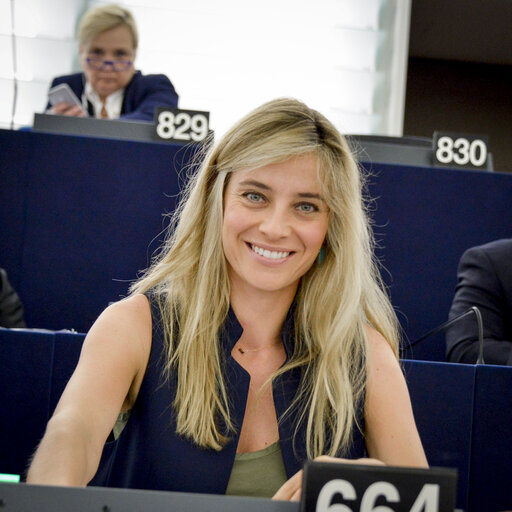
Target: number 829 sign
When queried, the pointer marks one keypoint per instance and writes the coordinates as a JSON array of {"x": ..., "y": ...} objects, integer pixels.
[{"x": 175, "y": 125}]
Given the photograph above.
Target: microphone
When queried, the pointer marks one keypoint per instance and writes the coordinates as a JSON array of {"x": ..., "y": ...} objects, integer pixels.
[{"x": 473, "y": 310}]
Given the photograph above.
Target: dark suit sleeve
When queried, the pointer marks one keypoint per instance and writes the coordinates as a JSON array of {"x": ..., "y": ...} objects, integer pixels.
[
  {"x": 11, "y": 308},
  {"x": 147, "y": 93},
  {"x": 479, "y": 285}
]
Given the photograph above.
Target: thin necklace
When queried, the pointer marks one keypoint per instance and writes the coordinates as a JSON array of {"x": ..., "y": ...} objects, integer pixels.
[{"x": 244, "y": 350}]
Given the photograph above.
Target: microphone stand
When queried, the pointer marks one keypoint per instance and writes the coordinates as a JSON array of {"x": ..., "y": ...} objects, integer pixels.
[{"x": 472, "y": 310}]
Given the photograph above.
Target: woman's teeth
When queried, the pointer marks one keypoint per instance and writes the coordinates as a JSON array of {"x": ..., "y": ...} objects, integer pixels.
[{"x": 273, "y": 255}]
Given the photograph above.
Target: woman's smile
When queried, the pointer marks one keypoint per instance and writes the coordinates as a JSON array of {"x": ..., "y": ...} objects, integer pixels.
[{"x": 270, "y": 254}]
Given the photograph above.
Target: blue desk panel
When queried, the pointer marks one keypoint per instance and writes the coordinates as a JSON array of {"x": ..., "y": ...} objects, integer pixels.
[
  {"x": 442, "y": 400},
  {"x": 424, "y": 219},
  {"x": 14, "y": 156},
  {"x": 491, "y": 451},
  {"x": 82, "y": 216},
  {"x": 463, "y": 412},
  {"x": 26, "y": 390},
  {"x": 34, "y": 369}
]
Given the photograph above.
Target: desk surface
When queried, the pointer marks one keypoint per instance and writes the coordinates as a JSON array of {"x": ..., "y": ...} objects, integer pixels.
[
  {"x": 28, "y": 498},
  {"x": 89, "y": 126}
]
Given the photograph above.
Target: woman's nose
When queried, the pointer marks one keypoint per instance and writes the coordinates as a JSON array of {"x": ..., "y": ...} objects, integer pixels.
[{"x": 275, "y": 224}]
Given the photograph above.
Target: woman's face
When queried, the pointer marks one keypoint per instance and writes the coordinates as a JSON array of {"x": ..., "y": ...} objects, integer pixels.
[
  {"x": 275, "y": 221},
  {"x": 116, "y": 46}
]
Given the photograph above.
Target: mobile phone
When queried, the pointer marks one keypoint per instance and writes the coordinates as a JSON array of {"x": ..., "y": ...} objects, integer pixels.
[{"x": 62, "y": 93}]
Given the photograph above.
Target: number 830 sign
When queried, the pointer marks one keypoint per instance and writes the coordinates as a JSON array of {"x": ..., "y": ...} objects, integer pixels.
[
  {"x": 460, "y": 150},
  {"x": 175, "y": 125}
]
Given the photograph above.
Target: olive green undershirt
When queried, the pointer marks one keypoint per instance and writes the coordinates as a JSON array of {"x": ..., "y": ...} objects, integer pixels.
[
  {"x": 259, "y": 473},
  {"x": 121, "y": 422}
]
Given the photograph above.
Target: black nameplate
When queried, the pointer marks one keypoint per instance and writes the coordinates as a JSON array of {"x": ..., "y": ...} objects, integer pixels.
[
  {"x": 184, "y": 126},
  {"x": 338, "y": 487},
  {"x": 460, "y": 150}
]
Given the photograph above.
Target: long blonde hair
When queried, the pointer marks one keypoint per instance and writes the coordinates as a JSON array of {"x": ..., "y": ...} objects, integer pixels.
[{"x": 334, "y": 302}]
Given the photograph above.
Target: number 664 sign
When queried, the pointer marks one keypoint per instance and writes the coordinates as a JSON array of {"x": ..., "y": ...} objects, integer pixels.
[
  {"x": 175, "y": 125},
  {"x": 333, "y": 487}
]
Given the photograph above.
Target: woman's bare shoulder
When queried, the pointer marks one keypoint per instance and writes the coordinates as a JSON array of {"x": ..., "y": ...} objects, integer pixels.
[
  {"x": 124, "y": 327},
  {"x": 135, "y": 306},
  {"x": 380, "y": 350},
  {"x": 130, "y": 316}
]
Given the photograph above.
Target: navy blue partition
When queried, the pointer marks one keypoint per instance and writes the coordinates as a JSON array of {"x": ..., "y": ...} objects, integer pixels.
[
  {"x": 491, "y": 451},
  {"x": 80, "y": 217},
  {"x": 425, "y": 218},
  {"x": 25, "y": 382},
  {"x": 442, "y": 400},
  {"x": 34, "y": 368}
]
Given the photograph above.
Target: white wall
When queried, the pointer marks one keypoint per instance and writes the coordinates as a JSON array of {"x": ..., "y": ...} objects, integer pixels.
[{"x": 347, "y": 58}]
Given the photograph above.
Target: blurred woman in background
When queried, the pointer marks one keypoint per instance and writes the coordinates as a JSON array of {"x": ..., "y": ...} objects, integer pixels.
[{"x": 109, "y": 86}]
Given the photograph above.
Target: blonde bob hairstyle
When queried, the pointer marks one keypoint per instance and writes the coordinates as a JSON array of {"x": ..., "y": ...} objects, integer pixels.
[
  {"x": 334, "y": 303},
  {"x": 106, "y": 17}
]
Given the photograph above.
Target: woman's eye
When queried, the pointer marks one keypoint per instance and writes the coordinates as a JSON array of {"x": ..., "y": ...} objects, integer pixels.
[
  {"x": 307, "y": 207},
  {"x": 254, "y": 197}
]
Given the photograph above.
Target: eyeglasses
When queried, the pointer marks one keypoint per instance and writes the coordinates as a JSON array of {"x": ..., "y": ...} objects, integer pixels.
[{"x": 115, "y": 65}]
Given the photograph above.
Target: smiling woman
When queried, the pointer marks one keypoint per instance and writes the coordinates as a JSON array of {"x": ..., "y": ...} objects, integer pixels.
[
  {"x": 109, "y": 86},
  {"x": 241, "y": 353}
]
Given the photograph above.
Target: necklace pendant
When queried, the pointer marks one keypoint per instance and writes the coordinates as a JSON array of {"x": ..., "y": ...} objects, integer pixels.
[{"x": 241, "y": 351}]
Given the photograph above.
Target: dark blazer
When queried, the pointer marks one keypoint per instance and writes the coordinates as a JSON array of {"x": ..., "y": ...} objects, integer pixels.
[
  {"x": 150, "y": 455},
  {"x": 485, "y": 281},
  {"x": 11, "y": 308},
  {"x": 142, "y": 95}
]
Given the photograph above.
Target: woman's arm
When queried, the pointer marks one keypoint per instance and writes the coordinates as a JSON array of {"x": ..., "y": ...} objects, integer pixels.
[
  {"x": 106, "y": 380},
  {"x": 391, "y": 434}
]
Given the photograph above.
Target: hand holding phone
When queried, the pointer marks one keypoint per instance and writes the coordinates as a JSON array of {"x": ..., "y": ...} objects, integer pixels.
[
  {"x": 64, "y": 101},
  {"x": 62, "y": 93}
]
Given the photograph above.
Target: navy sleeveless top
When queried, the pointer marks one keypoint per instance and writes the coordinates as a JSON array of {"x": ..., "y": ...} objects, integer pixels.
[{"x": 150, "y": 455}]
